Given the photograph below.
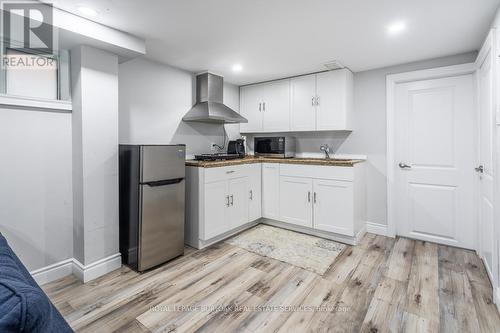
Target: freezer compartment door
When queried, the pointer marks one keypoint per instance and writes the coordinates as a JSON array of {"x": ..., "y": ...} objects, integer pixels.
[
  {"x": 161, "y": 235},
  {"x": 162, "y": 162}
]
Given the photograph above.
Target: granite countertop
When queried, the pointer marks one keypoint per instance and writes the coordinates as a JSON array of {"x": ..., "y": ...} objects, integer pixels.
[{"x": 296, "y": 160}]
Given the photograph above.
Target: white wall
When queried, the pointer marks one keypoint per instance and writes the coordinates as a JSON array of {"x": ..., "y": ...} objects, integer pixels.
[
  {"x": 35, "y": 185},
  {"x": 154, "y": 98},
  {"x": 95, "y": 153},
  {"x": 36, "y": 162}
]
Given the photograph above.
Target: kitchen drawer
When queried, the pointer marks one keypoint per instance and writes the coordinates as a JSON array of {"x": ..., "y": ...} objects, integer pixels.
[
  {"x": 317, "y": 171},
  {"x": 225, "y": 173}
]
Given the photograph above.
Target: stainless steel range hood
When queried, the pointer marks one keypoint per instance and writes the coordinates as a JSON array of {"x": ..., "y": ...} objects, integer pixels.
[{"x": 209, "y": 107}]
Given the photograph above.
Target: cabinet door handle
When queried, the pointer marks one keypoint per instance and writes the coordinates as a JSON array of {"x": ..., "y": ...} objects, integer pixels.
[
  {"x": 251, "y": 195},
  {"x": 227, "y": 200},
  {"x": 230, "y": 171},
  {"x": 317, "y": 100},
  {"x": 312, "y": 101},
  {"x": 308, "y": 196},
  {"x": 314, "y": 197},
  {"x": 260, "y": 107},
  {"x": 264, "y": 106},
  {"x": 232, "y": 200}
]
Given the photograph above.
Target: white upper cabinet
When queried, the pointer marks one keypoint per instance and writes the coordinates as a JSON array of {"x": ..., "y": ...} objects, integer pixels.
[
  {"x": 303, "y": 108},
  {"x": 266, "y": 106},
  {"x": 276, "y": 106},
  {"x": 334, "y": 99},
  {"x": 251, "y": 99},
  {"x": 317, "y": 102}
]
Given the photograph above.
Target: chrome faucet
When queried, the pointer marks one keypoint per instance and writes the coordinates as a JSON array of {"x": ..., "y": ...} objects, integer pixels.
[{"x": 326, "y": 149}]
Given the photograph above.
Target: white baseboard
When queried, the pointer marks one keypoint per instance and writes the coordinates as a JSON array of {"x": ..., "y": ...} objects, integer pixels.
[
  {"x": 376, "y": 228},
  {"x": 53, "y": 272},
  {"x": 361, "y": 233},
  {"x": 309, "y": 231},
  {"x": 201, "y": 244},
  {"x": 72, "y": 266},
  {"x": 496, "y": 298},
  {"x": 86, "y": 273}
]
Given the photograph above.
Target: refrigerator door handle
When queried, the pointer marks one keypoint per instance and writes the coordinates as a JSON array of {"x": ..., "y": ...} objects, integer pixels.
[{"x": 164, "y": 182}]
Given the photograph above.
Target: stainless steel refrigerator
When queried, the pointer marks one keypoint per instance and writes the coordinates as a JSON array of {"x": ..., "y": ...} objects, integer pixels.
[{"x": 152, "y": 188}]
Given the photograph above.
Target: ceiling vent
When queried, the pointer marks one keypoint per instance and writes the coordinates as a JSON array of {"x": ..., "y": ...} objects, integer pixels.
[{"x": 333, "y": 65}]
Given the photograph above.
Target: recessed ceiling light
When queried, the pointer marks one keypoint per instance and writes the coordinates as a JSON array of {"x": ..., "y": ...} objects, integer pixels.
[
  {"x": 396, "y": 27},
  {"x": 237, "y": 68},
  {"x": 87, "y": 11}
]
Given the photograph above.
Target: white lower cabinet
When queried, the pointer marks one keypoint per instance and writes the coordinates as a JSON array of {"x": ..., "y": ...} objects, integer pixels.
[
  {"x": 333, "y": 206},
  {"x": 238, "y": 202},
  {"x": 220, "y": 200},
  {"x": 216, "y": 204},
  {"x": 323, "y": 198},
  {"x": 226, "y": 206},
  {"x": 255, "y": 192},
  {"x": 317, "y": 203},
  {"x": 270, "y": 190},
  {"x": 325, "y": 201},
  {"x": 296, "y": 200}
]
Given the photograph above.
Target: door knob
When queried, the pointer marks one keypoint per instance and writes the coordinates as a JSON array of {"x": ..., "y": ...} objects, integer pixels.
[
  {"x": 404, "y": 165},
  {"x": 480, "y": 169}
]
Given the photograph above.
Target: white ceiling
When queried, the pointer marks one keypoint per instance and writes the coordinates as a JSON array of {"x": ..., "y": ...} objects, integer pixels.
[{"x": 280, "y": 38}]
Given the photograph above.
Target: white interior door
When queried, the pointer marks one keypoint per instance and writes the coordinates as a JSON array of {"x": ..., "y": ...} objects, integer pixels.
[
  {"x": 434, "y": 156},
  {"x": 487, "y": 231}
]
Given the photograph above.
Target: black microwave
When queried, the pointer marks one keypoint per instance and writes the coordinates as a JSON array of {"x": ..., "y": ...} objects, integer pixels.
[{"x": 279, "y": 146}]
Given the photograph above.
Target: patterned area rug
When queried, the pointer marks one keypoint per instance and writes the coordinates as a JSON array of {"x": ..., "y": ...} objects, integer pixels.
[{"x": 308, "y": 252}]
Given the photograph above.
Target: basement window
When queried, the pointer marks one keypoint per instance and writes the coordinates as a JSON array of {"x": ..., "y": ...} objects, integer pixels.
[{"x": 25, "y": 75}]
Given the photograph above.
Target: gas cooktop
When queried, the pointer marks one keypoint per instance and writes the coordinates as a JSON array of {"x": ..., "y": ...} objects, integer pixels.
[{"x": 216, "y": 157}]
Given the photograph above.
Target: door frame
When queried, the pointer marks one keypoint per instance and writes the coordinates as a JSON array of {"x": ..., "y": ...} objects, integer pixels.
[
  {"x": 490, "y": 46},
  {"x": 391, "y": 81}
]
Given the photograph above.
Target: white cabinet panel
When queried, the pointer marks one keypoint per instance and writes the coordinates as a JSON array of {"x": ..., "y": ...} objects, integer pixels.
[
  {"x": 333, "y": 206},
  {"x": 251, "y": 104},
  {"x": 254, "y": 192},
  {"x": 334, "y": 90},
  {"x": 320, "y": 102},
  {"x": 303, "y": 108},
  {"x": 296, "y": 200},
  {"x": 238, "y": 196},
  {"x": 225, "y": 173},
  {"x": 216, "y": 204},
  {"x": 270, "y": 190},
  {"x": 276, "y": 106}
]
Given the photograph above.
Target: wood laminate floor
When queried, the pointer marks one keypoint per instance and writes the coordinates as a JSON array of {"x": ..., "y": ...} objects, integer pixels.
[{"x": 381, "y": 285}]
